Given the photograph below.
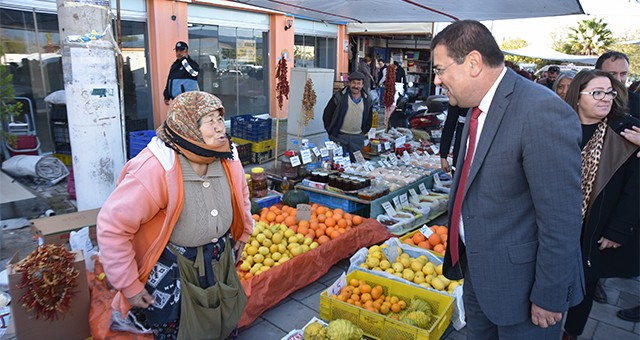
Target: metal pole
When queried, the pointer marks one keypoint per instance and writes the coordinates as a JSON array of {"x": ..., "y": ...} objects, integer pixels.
[{"x": 93, "y": 106}]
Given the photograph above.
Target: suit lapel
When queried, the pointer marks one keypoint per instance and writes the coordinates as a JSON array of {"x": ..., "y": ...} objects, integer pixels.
[{"x": 492, "y": 122}]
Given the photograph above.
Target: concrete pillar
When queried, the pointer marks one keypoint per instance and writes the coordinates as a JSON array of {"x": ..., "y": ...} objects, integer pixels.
[{"x": 93, "y": 103}]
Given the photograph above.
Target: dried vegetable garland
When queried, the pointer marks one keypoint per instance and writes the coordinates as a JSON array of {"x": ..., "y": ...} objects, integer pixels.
[
  {"x": 308, "y": 101},
  {"x": 282, "y": 84},
  {"x": 389, "y": 86},
  {"x": 50, "y": 278}
]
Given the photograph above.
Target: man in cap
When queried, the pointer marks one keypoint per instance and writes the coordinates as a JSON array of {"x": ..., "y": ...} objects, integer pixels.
[
  {"x": 183, "y": 76},
  {"x": 349, "y": 115}
]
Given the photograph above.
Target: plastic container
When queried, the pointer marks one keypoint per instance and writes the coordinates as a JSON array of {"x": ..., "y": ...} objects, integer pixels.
[
  {"x": 259, "y": 182},
  {"x": 285, "y": 165},
  {"x": 249, "y": 184}
]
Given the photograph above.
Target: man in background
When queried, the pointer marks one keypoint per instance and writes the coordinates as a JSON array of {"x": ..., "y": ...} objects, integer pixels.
[
  {"x": 617, "y": 63},
  {"x": 349, "y": 114},
  {"x": 183, "y": 76},
  {"x": 552, "y": 74},
  {"x": 515, "y": 241}
]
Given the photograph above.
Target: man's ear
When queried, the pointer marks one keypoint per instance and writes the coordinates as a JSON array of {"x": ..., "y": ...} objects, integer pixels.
[{"x": 475, "y": 63}]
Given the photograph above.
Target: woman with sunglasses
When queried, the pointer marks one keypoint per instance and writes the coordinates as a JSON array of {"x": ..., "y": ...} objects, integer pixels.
[{"x": 610, "y": 181}]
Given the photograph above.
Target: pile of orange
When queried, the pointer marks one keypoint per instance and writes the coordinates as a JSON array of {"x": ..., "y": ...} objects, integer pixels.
[
  {"x": 437, "y": 242},
  {"x": 359, "y": 293},
  {"x": 325, "y": 224}
]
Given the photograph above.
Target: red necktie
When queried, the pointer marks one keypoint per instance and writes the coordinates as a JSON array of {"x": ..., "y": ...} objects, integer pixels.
[{"x": 457, "y": 204}]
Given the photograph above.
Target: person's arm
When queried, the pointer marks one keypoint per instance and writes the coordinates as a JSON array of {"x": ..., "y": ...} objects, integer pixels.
[
  {"x": 329, "y": 110},
  {"x": 368, "y": 117},
  {"x": 447, "y": 137},
  {"x": 558, "y": 217}
]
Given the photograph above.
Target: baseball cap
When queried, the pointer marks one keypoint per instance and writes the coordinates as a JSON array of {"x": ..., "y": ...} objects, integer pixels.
[
  {"x": 181, "y": 46},
  {"x": 356, "y": 76}
]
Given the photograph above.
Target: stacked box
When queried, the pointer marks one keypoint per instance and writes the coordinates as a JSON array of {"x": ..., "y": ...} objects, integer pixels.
[
  {"x": 244, "y": 152},
  {"x": 251, "y": 128},
  {"x": 257, "y": 147},
  {"x": 138, "y": 140},
  {"x": 261, "y": 157}
]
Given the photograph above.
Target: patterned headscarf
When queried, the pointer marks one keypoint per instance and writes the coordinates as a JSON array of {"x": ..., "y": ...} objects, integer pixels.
[{"x": 181, "y": 130}]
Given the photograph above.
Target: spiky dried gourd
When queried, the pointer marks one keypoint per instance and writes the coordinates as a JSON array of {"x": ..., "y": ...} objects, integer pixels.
[{"x": 343, "y": 330}]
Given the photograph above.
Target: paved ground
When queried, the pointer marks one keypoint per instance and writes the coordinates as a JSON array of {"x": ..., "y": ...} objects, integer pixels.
[{"x": 296, "y": 310}]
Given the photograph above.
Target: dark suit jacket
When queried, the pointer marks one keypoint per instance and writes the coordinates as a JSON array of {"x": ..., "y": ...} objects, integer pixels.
[{"x": 522, "y": 207}]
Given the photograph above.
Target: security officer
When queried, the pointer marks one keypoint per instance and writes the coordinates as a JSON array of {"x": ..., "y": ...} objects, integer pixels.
[{"x": 183, "y": 76}]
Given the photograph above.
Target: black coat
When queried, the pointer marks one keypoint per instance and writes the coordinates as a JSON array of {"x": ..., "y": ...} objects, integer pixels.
[{"x": 614, "y": 213}]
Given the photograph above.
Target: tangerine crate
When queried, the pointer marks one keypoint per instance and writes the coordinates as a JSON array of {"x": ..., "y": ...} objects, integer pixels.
[
  {"x": 273, "y": 197},
  {"x": 257, "y": 147},
  {"x": 378, "y": 326},
  {"x": 409, "y": 235},
  {"x": 138, "y": 140},
  {"x": 334, "y": 202},
  {"x": 251, "y": 128}
]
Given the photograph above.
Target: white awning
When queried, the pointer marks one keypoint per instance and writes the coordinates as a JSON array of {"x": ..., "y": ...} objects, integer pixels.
[{"x": 547, "y": 53}]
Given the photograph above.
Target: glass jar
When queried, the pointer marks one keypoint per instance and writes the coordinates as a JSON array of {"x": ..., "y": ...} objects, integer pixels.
[
  {"x": 259, "y": 182},
  {"x": 249, "y": 184},
  {"x": 285, "y": 165}
]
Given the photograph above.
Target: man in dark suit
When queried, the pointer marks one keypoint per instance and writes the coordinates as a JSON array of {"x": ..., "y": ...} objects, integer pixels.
[{"x": 517, "y": 215}]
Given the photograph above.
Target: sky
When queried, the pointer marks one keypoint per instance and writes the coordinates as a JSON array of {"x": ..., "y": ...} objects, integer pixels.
[{"x": 620, "y": 15}]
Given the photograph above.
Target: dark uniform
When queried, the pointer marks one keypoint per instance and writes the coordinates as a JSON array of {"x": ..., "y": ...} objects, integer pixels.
[{"x": 183, "y": 75}]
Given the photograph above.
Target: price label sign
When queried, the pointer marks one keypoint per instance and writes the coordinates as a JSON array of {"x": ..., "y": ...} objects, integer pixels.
[
  {"x": 415, "y": 155},
  {"x": 324, "y": 152},
  {"x": 404, "y": 200},
  {"x": 303, "y": 212},
  {"x": 337, "y": 151},
  {"x": 400, "y": 141},
  {"x": 337, "y": 286},
  {"x": 371, "y": 134},
  {"x": 316, "y": 151},
  {"x": 435, "y": 149},
  {"x": 306, "y": 156},
  {"x": 393, "y": 158},
  {"x": 387, "y": 164},
  {"x": 359, "y": 157},
  {"x": 413, "y": 194},
  {"x": 330, "y": 145},
  {"x": 423, "y": 189},
  {"x": 366, "y": 142},
  {"x": 426, "y": 231},
  {"x": 396, "y": 202},
  {"x": 295, "y": 161},
  {"x": 387, "y": 145},
  {"x": 346, "y": 161},
  {"x": 405, "y": 157},
  {"x": 436, "y": 180},
  {"x": 388, "y": 209},
  {"x": 382, "y": 164}
]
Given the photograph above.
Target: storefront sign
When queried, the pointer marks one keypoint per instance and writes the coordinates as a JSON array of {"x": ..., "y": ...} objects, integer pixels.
[{"x": 246, "y": 50}]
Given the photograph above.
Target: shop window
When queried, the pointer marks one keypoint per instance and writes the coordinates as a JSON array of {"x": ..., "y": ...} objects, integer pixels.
[
  {"x": 232, "y": 66},
  {"x": 311, "y": 51},
  {"x": 137, "y": 92}
]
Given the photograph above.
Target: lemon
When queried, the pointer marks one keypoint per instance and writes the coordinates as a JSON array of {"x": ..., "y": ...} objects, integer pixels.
[
  {"x": 255, "y": 268},
  {"x": 417, "y": 266},
  {"x": 313, "y": 245},
  {"x": 282, "y": 248},
  {"x": 297, "y": 250},
  {"x": 408, "y": 274},
  {"x": 305, "y": 248},
  {"x": 263, "y": 250},
  {"x": 384, "y": 265},
  {"x": 245, "y": 266},
  {"x": 390, "y": 271},
  {"x": 405, "y": 262},
  {"x": 260, "y": 237},
  {"x": 307, "y": 241},
  {"x": 268, "y": 262},
  {"x": 439, "y": 269},
  {"x": 267, "y": 233},
  {"x": 372, "y": 262},
  {"x": 437, "y": 283},
  {"x": 276, "y": 256},
  {"x": 258, "y": 258},
  {"x": 397, "y": 267},
  {"x": 428, "y": 270},
  {"x": 288, "y": 233},
  {"x": 277, "y": 237},
  {"x": 273, "y": 248},
  {"x": 255, "y": 243},
  {"x": 252, "y": 250},
  {"x": 423, "y": 259}
]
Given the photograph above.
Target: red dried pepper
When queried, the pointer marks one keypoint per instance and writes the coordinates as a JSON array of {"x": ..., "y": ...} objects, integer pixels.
[
  {"x": 389, "y": 86},
  {"x": 282, "y": 84}
]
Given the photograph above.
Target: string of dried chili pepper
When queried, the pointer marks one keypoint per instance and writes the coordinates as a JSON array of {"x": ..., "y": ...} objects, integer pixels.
[{"x": 282, "y": 83}]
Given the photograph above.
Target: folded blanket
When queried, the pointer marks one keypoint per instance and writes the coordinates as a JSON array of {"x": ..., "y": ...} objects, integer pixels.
[{"x": 46, "y": 167}]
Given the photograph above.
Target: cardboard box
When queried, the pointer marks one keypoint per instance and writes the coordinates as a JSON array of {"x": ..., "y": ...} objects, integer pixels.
[
  {"x": 56, "y": 229},
  {"x": 72, "y": 325}
]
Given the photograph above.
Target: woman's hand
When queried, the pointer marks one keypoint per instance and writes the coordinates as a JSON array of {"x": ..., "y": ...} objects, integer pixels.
[
  {"x": 142, "y": 299},
  {"x": 444, "y": 164},
  {"x": 632, "y": 136},
  {"x": 238, "y": 248},
  {"x": 606, "y": 243}
]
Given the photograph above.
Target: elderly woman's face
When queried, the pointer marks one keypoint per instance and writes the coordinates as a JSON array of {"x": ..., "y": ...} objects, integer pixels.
[
  {"x": 563, "y": 86},
  {"x": 212, "y": 129}
]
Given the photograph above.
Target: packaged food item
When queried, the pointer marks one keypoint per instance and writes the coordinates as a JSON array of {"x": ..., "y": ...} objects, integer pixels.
[{"x": 259, "y": 182}]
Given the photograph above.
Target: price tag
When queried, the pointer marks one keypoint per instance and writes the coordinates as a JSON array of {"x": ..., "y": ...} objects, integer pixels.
[
  {"x": 330, "y": 145},
  {"x": 337, "y": 286},
  {"x": 379, "y": 147},
  {"x": 387, "y": 145},
  {"x": 366, "y": 142},
  {"x": 382, "y": 164},
  {"x": 388, "y": 209},
  {"x": 404, "y": 200},
  {"x": 324, "y": 152},
  {"x": 295, "y": 161},
  {"x": 396, "y": 202},
  {"x": 303, "y": 212},
  {"x": 414, "y": 194},
  {"x": 346, "y": 161},
  {"x": 405, "y": 157},
  {"x": 316, "y": 151},
  {"x": 393, "y": 158},
  {"x": 415, "y": 155},
  {"x": 435, "y": 149},
  {"x": 359, "y": 157},
  {"x": 306, "y": 156},
  {"x": 426, "y": 231},
  {"x": 436, "y": 180},
  {"x": 337, "y": 151},
  {"x": 400, "y": 141},
  {"x": 371, "y": 134},
  {"x": 387, "y": 164},
  {"x": 423, "y": 189}
]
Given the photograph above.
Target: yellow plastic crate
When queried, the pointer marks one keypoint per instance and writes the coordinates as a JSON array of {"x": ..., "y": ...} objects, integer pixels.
[
  {"x": 409, "y": 235},
  {"x": 378, "y": 326},
  {"x": 66, "y": 159},
  {"x": 257, "y": 147}
]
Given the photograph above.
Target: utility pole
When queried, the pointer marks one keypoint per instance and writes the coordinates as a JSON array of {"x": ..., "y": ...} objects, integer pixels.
[{"x": 93, "y": 103}]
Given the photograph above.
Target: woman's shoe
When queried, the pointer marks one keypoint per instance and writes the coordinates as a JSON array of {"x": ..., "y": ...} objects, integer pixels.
[
  {"x": 630, "y": 314},
  {"x": 599, "y": 295}
]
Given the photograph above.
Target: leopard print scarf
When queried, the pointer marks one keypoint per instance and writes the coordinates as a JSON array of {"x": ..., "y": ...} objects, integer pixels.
[{"x": 590, "y": 160}]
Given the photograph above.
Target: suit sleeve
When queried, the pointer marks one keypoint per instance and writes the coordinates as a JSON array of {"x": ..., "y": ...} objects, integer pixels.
[
  {"x": 552, "y": 165},
  {"x": 166, "y": 94}
]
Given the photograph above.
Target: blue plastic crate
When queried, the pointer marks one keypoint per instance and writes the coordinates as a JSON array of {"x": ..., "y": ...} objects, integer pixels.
[
  {"x": 251, "y": 128},
  {"x": 138, "y": 140},
  {"x": 334, "y": 202},
  {"x": 272, "y": 198}
]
